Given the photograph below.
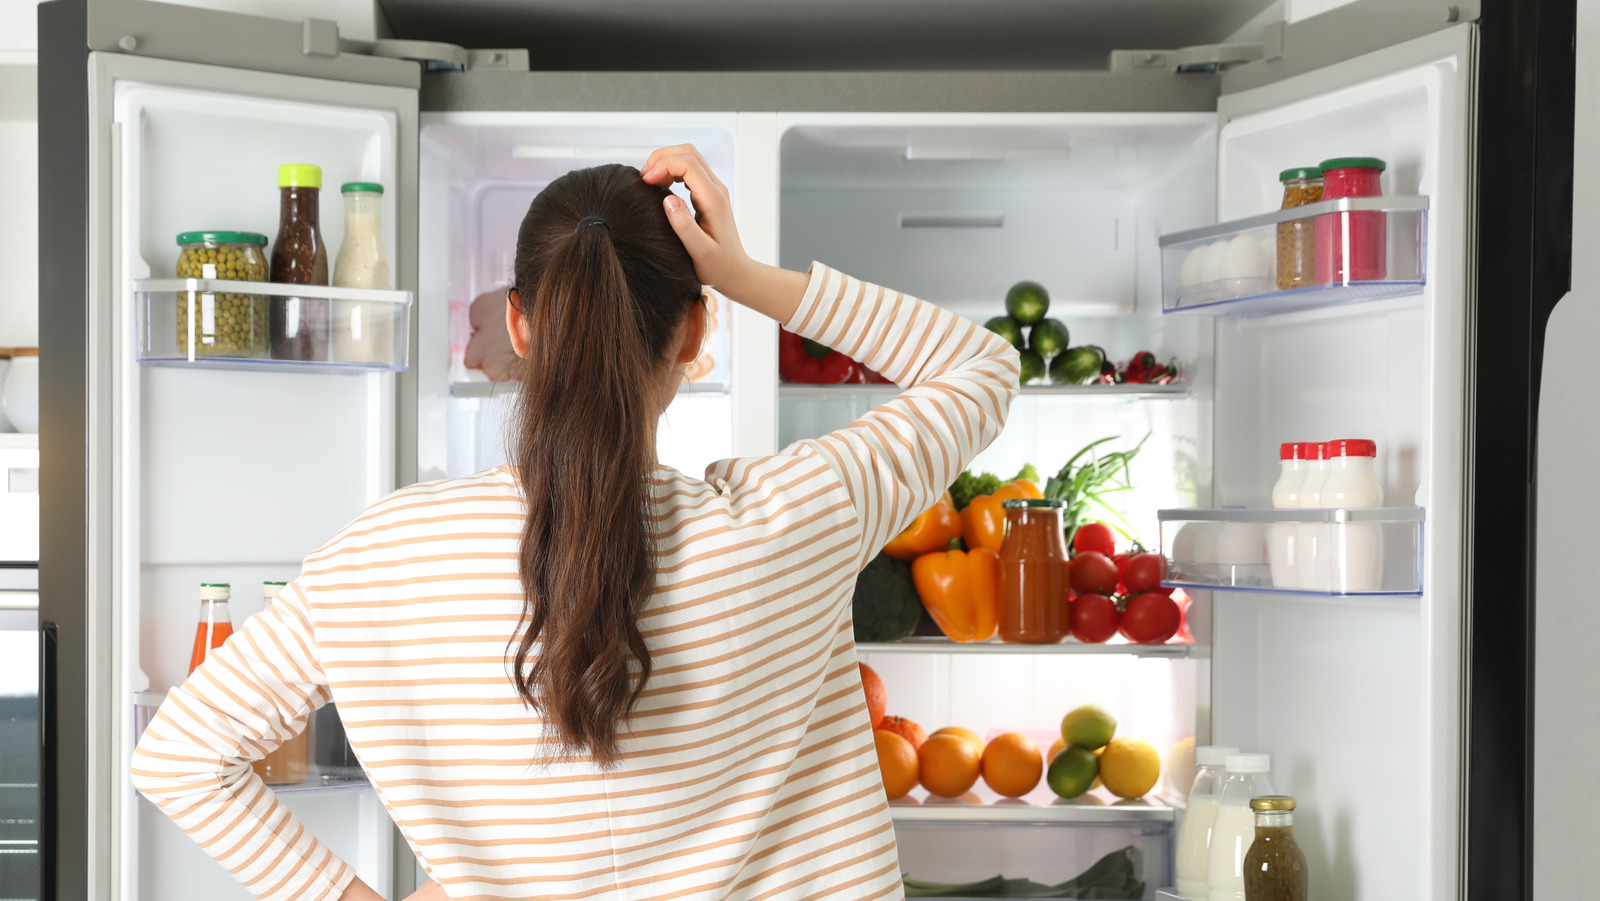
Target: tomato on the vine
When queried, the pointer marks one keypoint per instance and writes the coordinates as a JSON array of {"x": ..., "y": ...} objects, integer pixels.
[
  {"x": 1092, "y": 573},
  {"x": 1095, "y": 536},
  {"x": 1094, "y": 618},
  {"x": 1143, "y": 573},
  {"x": 1150, "y": 618}
]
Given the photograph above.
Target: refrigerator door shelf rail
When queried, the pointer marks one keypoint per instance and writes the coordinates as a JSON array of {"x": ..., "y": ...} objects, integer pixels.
[
  {"x": 226, "y": 324},
  {"x": 1373, "y": 552},
  {"x": 1125, "y": 392},
  {"x": 982, "y": 807},
  {"x": 939, "y": 645},
  {"x": 1330, "y": 253}
]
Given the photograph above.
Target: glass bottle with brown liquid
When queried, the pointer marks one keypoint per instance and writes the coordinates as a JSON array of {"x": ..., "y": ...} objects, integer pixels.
[
  {"x": 300, "y": 326},
  {"x": 1033, "y": 573},
  {"x": 287, "y": 764},
  {"x": 1274, "y": 867}
]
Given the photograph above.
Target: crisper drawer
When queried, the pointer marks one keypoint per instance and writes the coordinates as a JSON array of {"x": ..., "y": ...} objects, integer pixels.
[{"x": 1000, "y": 860}]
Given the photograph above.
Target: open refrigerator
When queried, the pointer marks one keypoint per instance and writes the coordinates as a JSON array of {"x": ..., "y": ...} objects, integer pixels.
[{"x": 173, "y": 468}]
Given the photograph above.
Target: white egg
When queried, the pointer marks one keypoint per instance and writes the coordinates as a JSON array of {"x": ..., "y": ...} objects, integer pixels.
[
  {"x": 1243, "y": 258},
  {"x": 1211, "y": 263},
  {"x": 1240, "y": 544},
  {"x": 1190, "y": 273}
]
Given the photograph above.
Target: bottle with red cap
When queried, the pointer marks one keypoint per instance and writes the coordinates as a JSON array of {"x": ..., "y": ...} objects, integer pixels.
[
  {"x": 1285, "y": 495},
  {"x": 1310, "y": 539},
  {"x": 1354, "y": 552}
]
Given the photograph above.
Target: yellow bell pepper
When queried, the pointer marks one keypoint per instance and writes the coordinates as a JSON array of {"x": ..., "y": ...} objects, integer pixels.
[
  {"x": 960, "y": 590},
  {"x": 932, "y": 531}
]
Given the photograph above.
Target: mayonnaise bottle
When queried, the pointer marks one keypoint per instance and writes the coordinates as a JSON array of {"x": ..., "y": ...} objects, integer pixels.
[
  {"x": 1354, "y": 551},
  {"x": 363, "y": 331},
  {"x": 1310, "y": 537},
  {"x": 1286, "y": 495}
]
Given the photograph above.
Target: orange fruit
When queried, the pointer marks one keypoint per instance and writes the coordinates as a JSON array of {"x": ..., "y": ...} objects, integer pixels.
[
  {"x": 877, "y": 695},
  {"x": 897, "y": 763},
  {"x": 1056, "y": 747},
  {"x": 906, "y": 729},
  {"x": 948, "y": 766},
  {"x": 1012, "y": 764},
  {"x": 967, "y": 735}
]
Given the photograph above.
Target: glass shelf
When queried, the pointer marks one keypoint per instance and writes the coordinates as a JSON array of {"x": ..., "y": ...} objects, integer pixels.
[
  {"x": 1355, "y": 553},
  {"x": 937, "y": 645},
  {"x": 512, "y": 389},
  {"x": 1348, "y": 250},
  {"x": 1040, "y": 807},
  {"x": 226, "y": 324},
  {"x": 1095, "y": 392}
]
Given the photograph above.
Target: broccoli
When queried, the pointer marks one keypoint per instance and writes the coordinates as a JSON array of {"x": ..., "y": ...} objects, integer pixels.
[
  {"x": 886, "y": 606},
  {"x": 969, "y": 485}
]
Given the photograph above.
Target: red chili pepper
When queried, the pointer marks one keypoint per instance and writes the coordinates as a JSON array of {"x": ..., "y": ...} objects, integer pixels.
[{"x": 805, "y": 362}]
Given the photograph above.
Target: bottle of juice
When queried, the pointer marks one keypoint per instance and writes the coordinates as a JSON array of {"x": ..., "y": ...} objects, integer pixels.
[
  {"x": 215, "y": 624},
  {"x": 1275, "y": 867},
  {"x": 287, "y": 763}
]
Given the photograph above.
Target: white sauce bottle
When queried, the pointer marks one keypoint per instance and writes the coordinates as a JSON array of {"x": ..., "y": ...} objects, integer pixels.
[
  {"x": 1236, "y": 825},
  {"x": 1354, "y": 553},
  {"x": 1199, "y": 818},
  {"x": 1285, "y": 496},
  {"x": 1310, "y": 537},
  {"x": 363, "y": 332}
]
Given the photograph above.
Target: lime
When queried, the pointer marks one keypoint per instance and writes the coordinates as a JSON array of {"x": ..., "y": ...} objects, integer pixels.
[
  {"x": 1072, "y": 772},
  {"x": 1075, "y": 366},
  {"x": 1088, "y": 727},
  {"x": 1032, "y": 368},
  {"x": 1009, "y": 329},
  {"x": 1048, "y": 337},
  {"x": 1027, "y": 302},
  {"x": 1130, "y": 768}
]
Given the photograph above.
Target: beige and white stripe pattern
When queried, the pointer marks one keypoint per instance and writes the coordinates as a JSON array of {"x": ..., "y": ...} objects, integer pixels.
[{"x": 749, "y": 768}]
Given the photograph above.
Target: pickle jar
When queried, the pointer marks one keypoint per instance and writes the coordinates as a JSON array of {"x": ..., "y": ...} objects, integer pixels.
[
  {"x": 222, "y": 323},
  {"x": 1032, "y": 593},
  {"x": 1297, "y": 240}
]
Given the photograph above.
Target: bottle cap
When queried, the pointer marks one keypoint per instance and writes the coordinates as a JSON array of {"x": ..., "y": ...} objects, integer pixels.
[
  {"x": 1352, "y": 447},
  {"x": 1308, "y": 450},
  {"x": 1019, "y": 503},
  {"x": 1354, "y": 162},
  {"x": 1249, "y": 763},
  {"x": 269, "y": 590},
  {"x": 1292, "y": 450},
  {"x": 214, "y": 591},
  {"x": 1272, "y": 802},
  {"x": 214, "y": 237},
  {"x": 300, "y": 175},
  {"x": 1303, "y": 172},
  {"x": 361, "y": 187},
  {"x": 1213, "y": 755}
]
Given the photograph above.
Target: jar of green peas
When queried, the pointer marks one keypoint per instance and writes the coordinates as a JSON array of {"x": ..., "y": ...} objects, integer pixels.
[{"x": 222, "y": 323}]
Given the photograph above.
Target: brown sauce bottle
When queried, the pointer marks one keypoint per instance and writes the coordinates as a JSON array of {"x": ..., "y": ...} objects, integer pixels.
[
  {"x": 299, "y": 326},
  {"x": 1275, "y": 867}
]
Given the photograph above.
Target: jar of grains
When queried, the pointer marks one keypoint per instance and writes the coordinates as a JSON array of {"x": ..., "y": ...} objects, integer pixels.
[
  {"x": 1297, "y": 240},
  {"x": 222, "y": 324}
]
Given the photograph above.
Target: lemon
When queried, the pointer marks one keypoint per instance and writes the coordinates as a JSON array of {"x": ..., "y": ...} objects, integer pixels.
[
  {"x": 1179, "y": 767},
  {"x": 1071, "y": 772},
  {"x": 1088, "y": 727},
  {"x": 1130, "y": 768}
]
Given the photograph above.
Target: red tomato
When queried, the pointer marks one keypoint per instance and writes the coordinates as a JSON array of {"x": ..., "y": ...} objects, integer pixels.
[
  {"x": 1150, "y": 618},
  {"x": 1092, "y": 573},
  {"x": 1094, "y": 618},
  {"x": 1143, "y": 573},
  {"x": 1095, "y": 536}
]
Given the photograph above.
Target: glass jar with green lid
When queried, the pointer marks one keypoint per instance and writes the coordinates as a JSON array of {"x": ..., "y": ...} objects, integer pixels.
[
  {"x": 1297, "y": 240},
  {"x": 222, "y": 323}
]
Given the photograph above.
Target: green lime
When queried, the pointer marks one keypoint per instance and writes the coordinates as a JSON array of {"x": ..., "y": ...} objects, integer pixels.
[
  {"x": 1088, "y": 727},
  {"x": 1009, "y": 329},
  {"x": 1075, "y": 366},
  {"x": 1048, "y": 337},
  {"x": 1027, "y": 302},
  {"x": 1072, "y": 772},
  {"x": 1032, "y": 368}
]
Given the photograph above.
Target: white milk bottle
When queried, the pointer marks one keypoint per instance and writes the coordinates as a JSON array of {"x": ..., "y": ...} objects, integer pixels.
[
  {"x": 1310, "y": 537},
  {"x": 1354, "y": 552},
  {"x": 1199, "y": 817},
  {"x": 1286, "y": 495},
  {"x": 1236, "y": 825},
  {"x": 363, "y": 332}
]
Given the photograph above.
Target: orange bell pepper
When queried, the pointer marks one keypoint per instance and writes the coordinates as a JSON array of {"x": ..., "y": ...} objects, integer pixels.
[
  {"x": 960, "y": 590},
  {"x": 929, "y": 532},
  {"x": 983, "y": 522}
]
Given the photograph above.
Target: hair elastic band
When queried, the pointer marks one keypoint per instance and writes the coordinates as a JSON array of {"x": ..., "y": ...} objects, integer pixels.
[{"x": 592, "y": 220}]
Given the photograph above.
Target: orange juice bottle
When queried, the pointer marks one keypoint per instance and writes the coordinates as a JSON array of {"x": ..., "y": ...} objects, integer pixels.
[
  {"x": 287, "y": 764},
  {"x": 215, "y": 625}
]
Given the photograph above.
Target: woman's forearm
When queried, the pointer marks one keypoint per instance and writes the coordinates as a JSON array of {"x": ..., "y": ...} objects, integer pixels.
[{"x": 769, "y": 290}]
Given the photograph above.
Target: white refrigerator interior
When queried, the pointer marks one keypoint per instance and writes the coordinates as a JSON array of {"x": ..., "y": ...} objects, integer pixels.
[{"x": 233, "y": 476}]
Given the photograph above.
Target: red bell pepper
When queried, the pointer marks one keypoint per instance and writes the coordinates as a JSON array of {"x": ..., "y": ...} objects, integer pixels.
[{"x": 805, "y": 362}]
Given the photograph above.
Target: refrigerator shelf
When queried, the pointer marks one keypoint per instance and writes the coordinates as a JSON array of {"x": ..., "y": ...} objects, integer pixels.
[
  {"x": 1232, "y": 268},
  {"x": 1038, "y": 808},
  {"x": 1372, "y": 552},
  {"x": 938, "y": 645},
  {"x": 1076, "y": 392},
  {"x": 226, "y": 324},
  {"x": 485, "y": 389}
]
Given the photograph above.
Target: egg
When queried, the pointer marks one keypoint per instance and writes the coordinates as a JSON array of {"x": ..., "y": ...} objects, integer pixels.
[
  {"x": 1190, "y": 273},
  {"x": 1243, "y": 258},
  {"x": 1240, "y": 544},
  {"x": 1211, "y": 263}
]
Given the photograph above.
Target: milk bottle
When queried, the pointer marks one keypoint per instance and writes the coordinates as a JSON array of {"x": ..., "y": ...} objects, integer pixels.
[
  {"x": 1194, "y": 836},
  {"x": 1236, "y": 825},
  {"x": 1353, "y": 556},
  {"x": 1310, "y": 540},
  {"x": 1286, "y": 495}
]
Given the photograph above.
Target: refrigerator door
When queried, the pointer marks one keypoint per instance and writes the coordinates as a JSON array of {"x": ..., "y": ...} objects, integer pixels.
[
  {"x": 159, "y": 477},
  {"x": 1359, "y": 702}
]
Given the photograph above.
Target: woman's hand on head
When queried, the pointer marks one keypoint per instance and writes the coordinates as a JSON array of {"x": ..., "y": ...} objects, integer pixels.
[{"x": 709, "y": 233}]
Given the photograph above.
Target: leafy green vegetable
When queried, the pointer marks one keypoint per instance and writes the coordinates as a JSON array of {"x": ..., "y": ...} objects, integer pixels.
[
  {"x": 886, "y": 605},
  {"x": 969, "y": 484},
  {"x": 1114, "y": 876},
  {"x": 1087, "y": 484}
]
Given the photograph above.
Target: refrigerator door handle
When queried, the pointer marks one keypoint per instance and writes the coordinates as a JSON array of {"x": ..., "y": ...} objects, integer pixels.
[{"x": 49, "y": 642}]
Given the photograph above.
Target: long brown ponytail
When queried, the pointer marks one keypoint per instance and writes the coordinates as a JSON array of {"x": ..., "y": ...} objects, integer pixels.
[{"x": 603, "y": 303}]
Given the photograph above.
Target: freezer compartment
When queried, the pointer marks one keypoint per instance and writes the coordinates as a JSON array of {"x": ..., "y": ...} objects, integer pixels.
[
  {"x": 1122, "y": 861},
  {"x": 237, "y": 324},
  {"x": 1326, "y": 553},
  {"x": 1323, "y": 254}
]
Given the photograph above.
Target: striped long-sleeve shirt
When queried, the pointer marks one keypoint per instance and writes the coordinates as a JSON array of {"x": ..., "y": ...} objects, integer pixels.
[{"x": 748, "y": 769}]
